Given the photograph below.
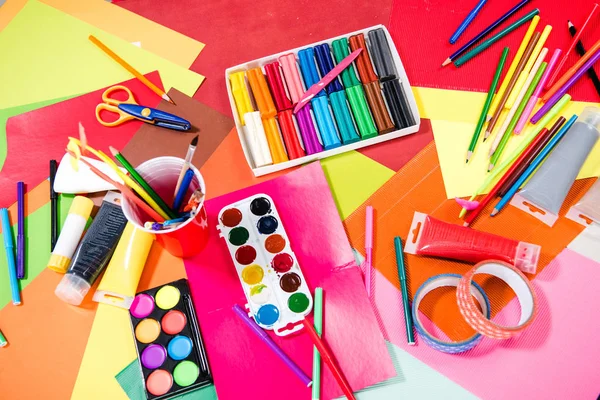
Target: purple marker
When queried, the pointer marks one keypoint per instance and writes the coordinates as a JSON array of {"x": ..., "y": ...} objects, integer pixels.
[
  {"x": 21, "y": 230},
  {"x": 308, "y": 132},
  {"x": 262, "y": 335}
]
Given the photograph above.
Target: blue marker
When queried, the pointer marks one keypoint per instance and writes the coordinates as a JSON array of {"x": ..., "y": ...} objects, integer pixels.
[
  {"x": 183, "y": 188},
  {"x": 467, "y": 21},
  {"x": 10, "y": 257}
]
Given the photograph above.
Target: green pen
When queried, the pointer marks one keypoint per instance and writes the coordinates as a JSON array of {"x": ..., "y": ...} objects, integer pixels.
[
  {"x": 402, "y": 276},
  {"x": 355, "y": 92},
  {"x": 3, "y": 341},
  {"x": 316, "y": 371}
]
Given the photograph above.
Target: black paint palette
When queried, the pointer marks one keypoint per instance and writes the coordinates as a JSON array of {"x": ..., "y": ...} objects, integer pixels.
[
  {"x": 168, "y": 341},
  {"x": 277, "y": 293}
]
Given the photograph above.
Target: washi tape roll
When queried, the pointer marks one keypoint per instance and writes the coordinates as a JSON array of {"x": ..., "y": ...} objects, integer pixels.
[
  {"x": 436, "y": 282},
  {"x": 517, "y": 282}
]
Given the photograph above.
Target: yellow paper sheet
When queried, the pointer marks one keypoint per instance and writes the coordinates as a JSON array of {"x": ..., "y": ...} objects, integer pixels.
[
  {"x": 47, "y": 55},
  {"x": 453, "y": 117},
  {"x": 157, "y": 39}
]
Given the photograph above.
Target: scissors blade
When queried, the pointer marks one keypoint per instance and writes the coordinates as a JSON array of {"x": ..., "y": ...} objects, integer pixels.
[{"x": 157, "y": 117}]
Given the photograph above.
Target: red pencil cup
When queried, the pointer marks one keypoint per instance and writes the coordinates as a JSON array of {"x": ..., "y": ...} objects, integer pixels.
[{"x": 161, "y": 173}]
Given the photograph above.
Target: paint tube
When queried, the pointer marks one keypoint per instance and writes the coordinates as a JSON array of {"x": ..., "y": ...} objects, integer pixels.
[
  {"x": 94, "y": 251},
  {"x": 431, "y": 237},
  {"x": 587, "y": 210},
  {"x": 70, "y": 234},
  {"x": 120, "y": 281},
  {"x": 546, "y": 191}
]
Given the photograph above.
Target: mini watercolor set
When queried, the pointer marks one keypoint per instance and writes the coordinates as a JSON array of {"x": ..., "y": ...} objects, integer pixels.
[
  {"x": 277, "y": 293},
  {"x": 168, "y": 341}
]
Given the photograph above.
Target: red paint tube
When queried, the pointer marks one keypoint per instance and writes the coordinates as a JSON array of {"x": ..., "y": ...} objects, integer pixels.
[{"x": 431, "y": 237}]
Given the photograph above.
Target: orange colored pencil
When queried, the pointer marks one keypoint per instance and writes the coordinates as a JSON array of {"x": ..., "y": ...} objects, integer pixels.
[{"x": 129, "y": 68}]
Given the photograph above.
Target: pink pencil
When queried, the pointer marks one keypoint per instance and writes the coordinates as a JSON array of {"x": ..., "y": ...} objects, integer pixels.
[
  {"x": 538, "y": 91},
  {"x": 369, "y": 249}
]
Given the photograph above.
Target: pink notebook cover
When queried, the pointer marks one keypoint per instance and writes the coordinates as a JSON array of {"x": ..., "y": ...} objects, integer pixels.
[{"x": 242, "y": 366}]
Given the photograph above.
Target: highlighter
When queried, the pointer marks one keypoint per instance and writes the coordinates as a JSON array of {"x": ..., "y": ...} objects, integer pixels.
[
  {"x": 354, "y": 90},
  {"x": 265, "y": 105},
  {"x": 339, "y": 105},
  {"x": 253, "y": 130},
  {"x": 284, "y": 111},
  {"x": 119, "y": 283},
  {"x": 392, "y": 87},
  {"x": 371, "y": 85},
  {"x": 71, "y": 232},
  {"x": 319, "y": 104}
]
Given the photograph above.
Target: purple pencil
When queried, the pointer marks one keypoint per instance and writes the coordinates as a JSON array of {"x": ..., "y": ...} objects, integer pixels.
[
  {"x": 21, "y": 230},
  {"x": 554, "y": 99},
  {"x": 262, "y": 335}
]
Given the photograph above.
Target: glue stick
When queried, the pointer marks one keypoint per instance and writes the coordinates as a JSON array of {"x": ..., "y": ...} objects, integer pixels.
[
  {"x": 120, "y": 281},
  {"x": 71, "y": 232}
]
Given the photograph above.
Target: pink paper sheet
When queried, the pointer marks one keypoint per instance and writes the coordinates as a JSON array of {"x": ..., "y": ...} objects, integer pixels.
[
  {"x": 555, "y": 358},
  {"x": 36, "y": 137},
  {"x": 243, "y": 367}
]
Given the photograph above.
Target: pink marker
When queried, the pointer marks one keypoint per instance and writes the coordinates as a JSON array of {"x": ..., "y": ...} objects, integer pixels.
[
  {"x": 538, "y": 91},
  {"x": 369, "y": 249},
  {"x": 317, "y": 87}
]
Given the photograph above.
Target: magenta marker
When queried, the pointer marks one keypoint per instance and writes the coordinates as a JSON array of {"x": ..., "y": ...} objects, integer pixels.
[
  {"x": 369, "y": 249},
  {"x": 21, "y": 230}
]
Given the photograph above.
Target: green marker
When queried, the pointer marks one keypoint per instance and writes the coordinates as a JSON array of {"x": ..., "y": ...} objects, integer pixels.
[
  {"x": 316, "y": 372},
  {"x": 3, "y": 341},
  {"x": 410, "y": 335},
  {"x": 355, "y": 92}
]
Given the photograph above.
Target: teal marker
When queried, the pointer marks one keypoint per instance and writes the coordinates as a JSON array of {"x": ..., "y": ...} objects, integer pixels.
[{"x": 410, "y": 335}]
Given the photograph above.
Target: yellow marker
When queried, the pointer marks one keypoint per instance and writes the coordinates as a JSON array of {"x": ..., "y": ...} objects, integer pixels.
[
  {"x": 240, "y": 94},
  {"x": 513, "y": 66},
  {"x": 523, "y": 76}
]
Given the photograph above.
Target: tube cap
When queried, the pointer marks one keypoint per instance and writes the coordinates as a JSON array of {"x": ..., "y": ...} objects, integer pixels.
[
  {"x": 527, "y": 257},
  {"x": 81, "y": 206},
  {"x": 72, "y": 289},
  {"x": 590, "y": 116},
  {"x": 59, "y": 263}
]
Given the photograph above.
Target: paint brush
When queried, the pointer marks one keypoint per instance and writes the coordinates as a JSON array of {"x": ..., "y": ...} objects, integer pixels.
[
  {"x": 368, "y": 249},
  {"x": 266, "y": 339},
  {"x": 186, "y": 164}
]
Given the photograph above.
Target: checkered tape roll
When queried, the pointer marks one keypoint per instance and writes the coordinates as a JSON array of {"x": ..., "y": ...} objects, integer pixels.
[
  {"x": 517, "y": 282},
  {"x": 439, "y": 281}
]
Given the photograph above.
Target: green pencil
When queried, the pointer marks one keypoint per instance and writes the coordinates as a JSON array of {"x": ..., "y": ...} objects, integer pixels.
[
  {"x": 484, "y": 45},
  {"x": 316, "y": 372},
  {"x": 488, "y": 102},
  {"x": 138, "y": 178},
  {"x": 3, "y": 341},
  {"x": 410, "y": 335}
]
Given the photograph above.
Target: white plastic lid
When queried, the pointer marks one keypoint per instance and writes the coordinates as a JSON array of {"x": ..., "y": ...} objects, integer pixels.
[
  {"x": 72, "y": 289},
  {"x": 527, "y": 257}
]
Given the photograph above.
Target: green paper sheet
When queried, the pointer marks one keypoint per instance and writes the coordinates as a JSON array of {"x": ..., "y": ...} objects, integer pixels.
[{"x": 46, "y": 54}]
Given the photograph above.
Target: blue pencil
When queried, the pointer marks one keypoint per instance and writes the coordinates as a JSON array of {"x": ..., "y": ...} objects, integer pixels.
[
  {"x": 467, "y": 21},
  {"x": 10, "y": 256},
  {"x": 533, "y": 166},
  {"x": 183, "y": 188},
  {"x": 483, "y": 33}
]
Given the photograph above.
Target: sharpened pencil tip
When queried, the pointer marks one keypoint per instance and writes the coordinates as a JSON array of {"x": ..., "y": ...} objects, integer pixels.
[
  {"x": 448, "y": 61},
  {"x": 494, "y": 212},
  {"x": 113, "y": 150},
  {"x": 490, "y": 167},
  {"x": 570, "y": 23},
  {"x": 466, "y": 224},
  {"x": 167, "y": 98}
]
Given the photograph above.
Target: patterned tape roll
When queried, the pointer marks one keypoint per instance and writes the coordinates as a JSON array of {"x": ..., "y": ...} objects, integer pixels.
[
  {"x": 440, "y": 281},
  {"x": 517, "y": 282}
]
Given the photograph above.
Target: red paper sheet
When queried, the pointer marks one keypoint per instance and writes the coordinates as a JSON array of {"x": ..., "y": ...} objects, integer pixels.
[
  {"x": 243, "y": 367},
  {"x": 38, "y": 136}
]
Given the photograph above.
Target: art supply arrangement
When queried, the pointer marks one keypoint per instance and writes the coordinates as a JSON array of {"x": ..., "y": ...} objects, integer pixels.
[
  {"x": 277, "y": 293},
  {"x": 349, "y": 113},
  {"x": 168, "y": 341}
]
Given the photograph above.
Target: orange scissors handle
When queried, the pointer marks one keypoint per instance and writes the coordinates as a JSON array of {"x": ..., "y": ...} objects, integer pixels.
[{"x": 111, "y": 105}]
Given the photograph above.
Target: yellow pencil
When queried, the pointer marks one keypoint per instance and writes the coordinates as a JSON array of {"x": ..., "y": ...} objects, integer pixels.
[
  {"x": 513, "y": 66},
  {"x": 523, "y": 76},
  {"x": 129, "y": 68}
]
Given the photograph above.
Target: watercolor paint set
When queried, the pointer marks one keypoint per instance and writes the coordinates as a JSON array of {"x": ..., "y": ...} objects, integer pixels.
[
  {"x": 370, "y": 102},
  {"x": 276, "y": 290},
  {"x": 168, "y": 341}
]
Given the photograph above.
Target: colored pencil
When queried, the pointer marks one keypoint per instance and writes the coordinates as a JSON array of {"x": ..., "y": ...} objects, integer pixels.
[
  {"x": 533, "y": 166},
  {"x": 368, "y": 248},
  {"x": 408, "y": 322},
  {"x": 186, "y": 163},
  {"x": 21, "y": 230},
  {"x": 536, "y": 95},
  {"x": 318, "y": 320},
  {"x": 483, "y": 33},
  {"x": 512, "y": 98},
  {"x": 266, "y": 339},
  {"x": 581, "y": 51},
  {"x": 467, "y": 21},
  {"x": 574, "y": 41},
  {"x": 129, "y": 68},
  {"x": 536, "y": 150},
  {"x": 329, "y": 359},
  {"x": 513, "y": 66},
  {"x": 142, "y": 182},
  {"x": 3, "y": 341},
  {"x": 511, "y": 85},
  {"x": 183, "y": 189},
  {"x": 486, "y": 105},
  {"x": 520, "y": 148},
  {"x": 478, "y": 49},
  {"x": 10, "y": 257},
  {"x": 53, "y": 206}
]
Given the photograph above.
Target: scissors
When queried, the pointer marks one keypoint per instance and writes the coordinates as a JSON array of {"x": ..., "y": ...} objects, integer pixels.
[{"x": 128, "y": 109}]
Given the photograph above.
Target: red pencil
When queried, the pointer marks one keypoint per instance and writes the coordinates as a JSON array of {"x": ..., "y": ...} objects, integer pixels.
[{"x": 329, "y": 360}]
